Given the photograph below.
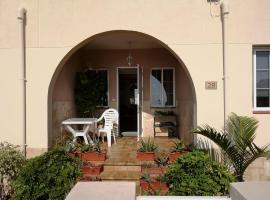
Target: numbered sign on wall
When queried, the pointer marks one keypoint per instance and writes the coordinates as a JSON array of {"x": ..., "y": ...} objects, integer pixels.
[{"x": 210, "y": 85}]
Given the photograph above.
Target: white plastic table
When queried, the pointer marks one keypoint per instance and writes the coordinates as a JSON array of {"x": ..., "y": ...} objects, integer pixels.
[{"x": 86, "y": 122}]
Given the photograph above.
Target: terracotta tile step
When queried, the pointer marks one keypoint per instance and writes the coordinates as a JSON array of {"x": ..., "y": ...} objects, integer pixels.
[{"x": 120, "y": 175}]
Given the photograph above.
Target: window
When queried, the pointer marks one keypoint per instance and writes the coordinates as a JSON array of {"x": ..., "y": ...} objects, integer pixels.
[
  {"x": 261, "y": 79},
  {"x": 162, "y": 87}
]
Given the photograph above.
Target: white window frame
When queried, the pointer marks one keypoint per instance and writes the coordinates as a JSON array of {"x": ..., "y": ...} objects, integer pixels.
[
  {"x": 108, "y": 89},
  {"x": 255, "y": 108},
  {"x": 162, "y": 106}
]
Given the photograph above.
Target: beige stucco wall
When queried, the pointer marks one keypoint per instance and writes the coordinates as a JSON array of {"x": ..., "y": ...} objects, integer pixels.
[
  {"x": 186, "y": 27},
  {"x": 258, "y": 170},
  {"x": 62, "y": 106}
]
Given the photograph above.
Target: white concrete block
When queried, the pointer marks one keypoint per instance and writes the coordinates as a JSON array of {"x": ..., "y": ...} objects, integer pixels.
[
  {"x": 253, "y": 190},
  {"x": 103, "y": 191}
]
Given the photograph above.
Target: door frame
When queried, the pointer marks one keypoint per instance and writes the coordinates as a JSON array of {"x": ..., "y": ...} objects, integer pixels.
[{"x": 117, "y": 92}]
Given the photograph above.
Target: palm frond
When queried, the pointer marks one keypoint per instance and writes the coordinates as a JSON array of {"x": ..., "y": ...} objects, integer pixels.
[
  {"x": 214, "y": 153},
  {"x": 221, "y": 140},
  {"x": 237, "y": 141}
]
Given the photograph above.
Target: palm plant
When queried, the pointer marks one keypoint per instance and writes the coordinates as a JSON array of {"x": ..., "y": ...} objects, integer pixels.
[{"x": 236, "y": 142}]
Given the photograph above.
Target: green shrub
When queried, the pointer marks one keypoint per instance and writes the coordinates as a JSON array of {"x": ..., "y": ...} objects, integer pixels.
[
  {"x": 11, "y": 161},
  {"x": 90, "y": 92},
  {"x": 194, "y": 174},
  {"x": 49, "y": 176}
]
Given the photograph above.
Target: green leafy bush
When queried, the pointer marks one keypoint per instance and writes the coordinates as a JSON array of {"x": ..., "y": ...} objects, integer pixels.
[
  {"x": 49, "y": 176},
  {"x": 90, "y": 91},
  {"x": 11, "y": 161},
  {"x": 195, "y": 174}
]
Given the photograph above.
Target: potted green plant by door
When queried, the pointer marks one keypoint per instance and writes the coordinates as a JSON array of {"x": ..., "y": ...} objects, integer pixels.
[
  {"x": 177, "y": 150},
  {"x": 93, "y": 152},
  {"x": 147, "y": 149}
]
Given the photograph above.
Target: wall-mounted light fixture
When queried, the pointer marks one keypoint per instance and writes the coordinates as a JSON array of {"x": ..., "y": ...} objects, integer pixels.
[{"x": 129, "y": 57}]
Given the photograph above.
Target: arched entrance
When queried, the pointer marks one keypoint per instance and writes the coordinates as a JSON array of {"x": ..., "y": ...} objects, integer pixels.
[{"x": 166, "y": 83}]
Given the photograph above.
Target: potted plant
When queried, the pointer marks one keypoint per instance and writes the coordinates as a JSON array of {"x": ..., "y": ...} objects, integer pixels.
[
  {"x": 151, "y": 168},
  {"x": 72, "y": 149},
  {"x": 146, "y": 152},
  {"x": 89, "y": 169},
  {"x": 159, "y": 167},
  {"x": 147, "y": 183},
  {"x": 162, "y": 161},
  {"x": 160, "y": 183},
  {"x": 177, "y": 150},
  {"x": 93, "y": 152}
]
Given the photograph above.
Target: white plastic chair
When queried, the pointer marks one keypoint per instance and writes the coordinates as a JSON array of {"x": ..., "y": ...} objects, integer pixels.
[{"x": 110, "y": 121}]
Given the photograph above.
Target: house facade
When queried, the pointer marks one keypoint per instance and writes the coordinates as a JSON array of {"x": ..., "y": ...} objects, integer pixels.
[{"x": 176, "y": 53}]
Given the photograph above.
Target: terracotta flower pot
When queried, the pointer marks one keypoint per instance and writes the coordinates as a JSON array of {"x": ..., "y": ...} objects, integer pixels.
[
  {"x": 155, "y": 185},
  {"x": 92, "y": 170},
  {"x": 75, "y": 154},
  {"x": 173, "y": 156},
  {"x": 93, "y": 156},
  {"x": 144, "y": 185},
  {"x": 159, "y": 186},
  {"x": 146, "y": 156},
  {"x": 153, "y": 170}
]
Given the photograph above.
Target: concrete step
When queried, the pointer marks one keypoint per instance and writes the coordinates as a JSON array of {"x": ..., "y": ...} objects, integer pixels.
[
  {"x": 120, "y": 175},
  {"x": 110, "y": 168},
  {"x": 122, "y": 161}
]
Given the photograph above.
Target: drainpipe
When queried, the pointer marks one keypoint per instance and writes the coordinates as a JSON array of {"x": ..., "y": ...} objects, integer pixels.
[
  {"x": 21, "y": 18},
  {"x": 224, "y": 6}
]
